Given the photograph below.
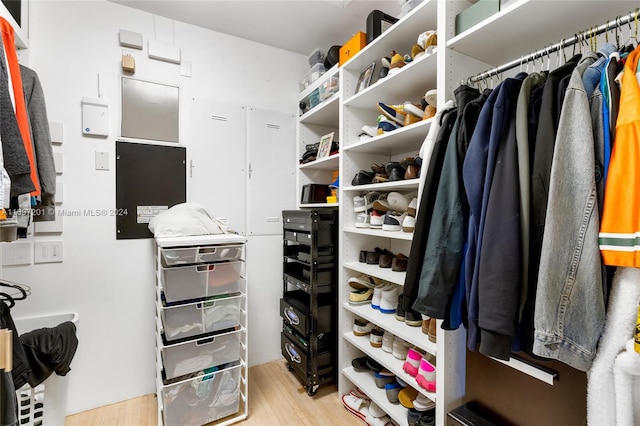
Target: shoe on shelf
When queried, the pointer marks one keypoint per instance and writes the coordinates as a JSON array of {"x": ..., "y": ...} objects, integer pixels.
[
  {"x": 428, "y": 39},
  {"x": 361, "y": 408},
  {"x": 395, "y": 171},
  {"x": 364, "y": 281},
  {"x": 376, "y": 220},
  {"x": 363, "y": 177},
  {"x": 363, "y": 203},
  {"x": 397, "y": 62},
  {"x": 394, "y": 113},
  {"x": 412, "y": 207},
  {"x": 383, "y": 378},
  {"x": 392, "y": 390},
  {"x": 406, "y": 396},
  {"x": 393, "y": 221},
  {"x": 389, "y": 299},
  {"x": 431, "y": 96},
  {"x": 399, "y": 262},
  {"x": 410, "y": 119},
  {"x": 373, "y": 257},
  {"x": 413, "y": 318},
  {"x": 387, "y": 341},
  {"x": 386, "y": 259},
  {"x": 413, "y": 109},
  {"x": 370, "y": 130},
  {"x": 416, "y": 51},
  {"x": 360, "y": 297},
  {"x": 413, "y": 417},
  {"x": 433, "y": 328},
  {"x": 362, "y": 327},
  {"x": 408, "y": 223},
  {"x": 386, "y": 125},
  {"x": 360, "y": 365},
  {"x": 397, "y": 202},
  {"x": 400, "y": 348},
  {"x": 375, "y": 337},
  {"x": 423, "y": 403},
  {"x": 363, "y": 220},
  {"x": 412, "y": 362},
  {"x": 429, "y": 112},
  {"x": 426, "y": 377},
  {"x": 426, "y": 321}
]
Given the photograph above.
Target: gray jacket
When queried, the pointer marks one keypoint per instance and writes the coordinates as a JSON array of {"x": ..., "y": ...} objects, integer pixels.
[{"x": 569, "y": 310}]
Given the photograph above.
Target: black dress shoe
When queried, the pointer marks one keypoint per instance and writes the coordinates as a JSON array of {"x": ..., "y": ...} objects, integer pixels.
[{"x": 395, "y": 171}]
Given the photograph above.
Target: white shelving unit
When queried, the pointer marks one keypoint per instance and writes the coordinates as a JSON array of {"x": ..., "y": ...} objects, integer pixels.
[
  {"x": 515, "y": 31},
  {"x": 408, "y": 84}
]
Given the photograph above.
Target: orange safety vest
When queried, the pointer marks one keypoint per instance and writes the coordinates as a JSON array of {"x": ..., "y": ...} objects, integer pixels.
[
  {"x": 620, "y": 227},
  {"x": 21, "y": 108}
]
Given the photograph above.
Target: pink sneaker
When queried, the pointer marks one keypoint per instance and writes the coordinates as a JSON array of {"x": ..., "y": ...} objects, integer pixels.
[{"x": 412, "y": 362}]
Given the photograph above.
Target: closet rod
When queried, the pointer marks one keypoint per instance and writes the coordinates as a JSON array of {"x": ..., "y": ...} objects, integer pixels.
[{"x": 583, "y": 36}]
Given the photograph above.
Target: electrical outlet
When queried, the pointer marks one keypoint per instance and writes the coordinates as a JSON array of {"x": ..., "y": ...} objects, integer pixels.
[{"x": 48, "y": 252}]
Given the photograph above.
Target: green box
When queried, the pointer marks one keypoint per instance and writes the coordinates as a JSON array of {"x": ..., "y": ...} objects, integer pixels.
[{"x": 476, "y": 13}]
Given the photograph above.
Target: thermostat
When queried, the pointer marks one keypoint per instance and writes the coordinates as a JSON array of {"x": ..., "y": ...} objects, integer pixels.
[{"x": 95, "y": 117}]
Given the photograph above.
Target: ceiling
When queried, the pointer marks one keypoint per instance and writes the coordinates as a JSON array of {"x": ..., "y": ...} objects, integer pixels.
[{"x": 295, "y": 25}]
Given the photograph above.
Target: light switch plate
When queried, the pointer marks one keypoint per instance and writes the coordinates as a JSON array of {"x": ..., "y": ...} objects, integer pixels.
[
  {"x": 57, "y": 132},
  {"x": 102, "y": 160},
  {"x": 47, "y": 252},
  {"x": 17, "y": 253}
]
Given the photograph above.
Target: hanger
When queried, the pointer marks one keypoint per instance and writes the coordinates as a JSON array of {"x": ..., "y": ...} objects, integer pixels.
[
  {"x": 23, "y": 290},
  {"x": 7, "y": 298}
]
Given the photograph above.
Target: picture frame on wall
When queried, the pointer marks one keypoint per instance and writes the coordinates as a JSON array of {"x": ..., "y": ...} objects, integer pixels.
[
  {"x": 365, "y": 77},
  {"x": 324, "y": 148}
]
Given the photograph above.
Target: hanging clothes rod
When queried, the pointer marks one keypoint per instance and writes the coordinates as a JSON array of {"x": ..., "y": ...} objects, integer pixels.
[{"x": 577, "y": 38}]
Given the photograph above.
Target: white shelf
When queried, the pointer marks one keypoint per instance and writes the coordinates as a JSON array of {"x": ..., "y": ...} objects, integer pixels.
[
  {"x": 488, "y": 41},
  {"x": 390, "y": 362},
  {"x": 397, "y": 235},
  {"x": 383, "y": 273},
  {"x": 366, "y": 382},
  {"x": 407, "y": 184},
  {"x": 413, "y": 335},
  {"x": 327, "y": 163},
  {"x": 409, "y": 83},
  {"x": 400, "y": 140},
  {"x": 325, "y": 113}
]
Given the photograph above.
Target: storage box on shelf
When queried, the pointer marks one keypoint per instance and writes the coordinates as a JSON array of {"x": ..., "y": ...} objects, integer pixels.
[
  {"x": 309, "y": 306},
  {"x": 201, "y": 335}
]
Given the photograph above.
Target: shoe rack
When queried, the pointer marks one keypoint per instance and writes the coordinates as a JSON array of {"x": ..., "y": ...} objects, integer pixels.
[{"x": 409, "y": 83}]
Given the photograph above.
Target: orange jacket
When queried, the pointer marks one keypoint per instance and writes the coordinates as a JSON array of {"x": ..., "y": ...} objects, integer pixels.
[
  {"x": 21, "y": 108},
  {"x": 620, "y": 226}
]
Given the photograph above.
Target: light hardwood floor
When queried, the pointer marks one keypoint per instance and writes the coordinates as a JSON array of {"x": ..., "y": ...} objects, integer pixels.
[{"x": 276, "y": 397}]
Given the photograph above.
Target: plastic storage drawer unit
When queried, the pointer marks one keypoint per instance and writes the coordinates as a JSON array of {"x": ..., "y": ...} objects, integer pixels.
[
  {"x": 200, "y": 281},
  {"x": 203, "y": 399},
  {"x": 195, "y": 355},
  {"x": 187, "y": 255},
  {"x": 193, "y": 319},
  {"x": 296, "y": 313}
]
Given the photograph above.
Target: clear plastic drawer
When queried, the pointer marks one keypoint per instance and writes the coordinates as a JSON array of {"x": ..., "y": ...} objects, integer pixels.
[{"x": 201, "y": 281}]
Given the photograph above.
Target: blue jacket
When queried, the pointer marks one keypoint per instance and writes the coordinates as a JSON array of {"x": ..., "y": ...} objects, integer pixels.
[{"x": 477, "y": 172}]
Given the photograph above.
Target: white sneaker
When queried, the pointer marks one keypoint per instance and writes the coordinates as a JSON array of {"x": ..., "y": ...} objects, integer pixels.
[
  {"x": 376, "y": 220},
  {"x": 363, "y": 220},
  {"x": 412, "y": 207},
  {"x": 359, "y": 204},
  {"x": 389, "y": 299},
  {"x": 409, "y": 223},
  {"x": 377, "y": 295},
  {"x": 393, "y": 221},
  {"x": 398, "y": 202},
  {"x": 387, "y": 341}
]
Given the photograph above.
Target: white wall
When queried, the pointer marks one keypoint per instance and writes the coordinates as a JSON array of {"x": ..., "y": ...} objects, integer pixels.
[{"x": 108, "y": 282}]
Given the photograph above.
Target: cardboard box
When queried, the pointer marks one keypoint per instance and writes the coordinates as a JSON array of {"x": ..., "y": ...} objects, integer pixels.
[{"x": 353, "y": 46}]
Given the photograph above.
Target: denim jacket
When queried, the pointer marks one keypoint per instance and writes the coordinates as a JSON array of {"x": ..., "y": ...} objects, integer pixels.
[{"x": 569, "y": 310}]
